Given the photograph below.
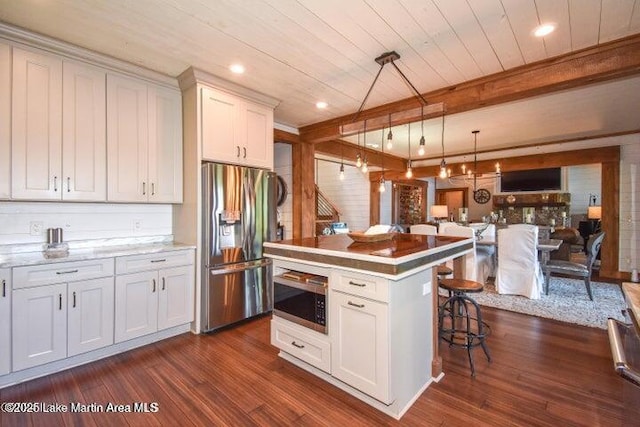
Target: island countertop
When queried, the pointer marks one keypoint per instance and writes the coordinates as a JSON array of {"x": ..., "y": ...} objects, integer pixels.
[{"x": 399, "y": 255}]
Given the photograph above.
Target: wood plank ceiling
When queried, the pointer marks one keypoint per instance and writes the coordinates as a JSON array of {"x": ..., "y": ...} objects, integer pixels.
[{"x": 303, "y": 51}]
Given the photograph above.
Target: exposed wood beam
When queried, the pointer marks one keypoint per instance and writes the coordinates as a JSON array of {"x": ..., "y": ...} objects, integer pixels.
[
  {"x": 345, "y": 150},
  {"x": 286, "y": 137},
  {"x": 608, "y": 61}
]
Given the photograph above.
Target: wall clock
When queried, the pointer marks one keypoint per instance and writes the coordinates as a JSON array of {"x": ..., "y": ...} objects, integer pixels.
[
  {"x": 481, "y": 196},
  {"x": 282, "y": 191}
]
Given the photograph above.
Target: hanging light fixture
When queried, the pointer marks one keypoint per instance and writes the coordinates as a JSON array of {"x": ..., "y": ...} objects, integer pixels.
[
  {"x": 422, "y": 141},
  {"x": 390, "y": 136},
  {"x": 472, "y": 176},
  {"x": 365, "y": 166},
  {"x": 409, "y": 173},
  {"x": 443, "y": 164},
  {"x": 358, "y": 157},
  {"x": 382, "y": 188},
  {"x": 341, "y": 162}
]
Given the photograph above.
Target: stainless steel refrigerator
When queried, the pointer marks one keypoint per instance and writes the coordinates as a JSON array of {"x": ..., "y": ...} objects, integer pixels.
[{"x": 239, "y": 215}]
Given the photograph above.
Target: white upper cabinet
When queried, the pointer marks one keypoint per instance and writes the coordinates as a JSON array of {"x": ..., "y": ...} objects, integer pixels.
[
  {"x": 144, "y": 142},
  {"x": 127, "y": 139},
  {"x": 165, "y": 145},
  {"x": 5, "y": 121},
  {"x": 84, "y": 144},
  {"x": 235, "y": 130},
  {"x": 58, "y": 129},
  {"x": 36, "y": 126}
]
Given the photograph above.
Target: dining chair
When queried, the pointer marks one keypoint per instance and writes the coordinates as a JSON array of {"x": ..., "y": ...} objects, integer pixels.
[
  {"x": 478, "y": 265},
  {"x": 519, "y": 271},
  {"x": 576, "y": 269},
  {"x": 426, "y": 229}
]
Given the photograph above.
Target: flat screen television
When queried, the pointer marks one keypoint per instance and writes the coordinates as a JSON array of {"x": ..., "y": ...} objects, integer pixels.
[{"x": 531, "y": 180}]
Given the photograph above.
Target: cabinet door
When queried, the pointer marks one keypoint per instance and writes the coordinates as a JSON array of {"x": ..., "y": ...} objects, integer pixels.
[
  {"x": 5, "y": 121},
  {"x": 175, "y": 300},
  {"x": 5, "y": 321},
  {"x": 136, "y": 305},
  {"x": 220, "y": 124},
  {"x": 127, "y": 140},
  {"x": 84, "y": 156},
  {"x": 39, "y": 325},
  {"x": 360, "y": 346},
  {"x": 165, "y": 145},
  {"x": 36, "y": 126},
  {"x": 90, "y": 306},
  {"x": 258, "y": 136}
]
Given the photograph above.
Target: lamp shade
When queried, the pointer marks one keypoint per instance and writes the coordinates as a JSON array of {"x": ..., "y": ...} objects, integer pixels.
[
  {"x": 439, "y": 211},
  {"x": 594, "y": 212}
]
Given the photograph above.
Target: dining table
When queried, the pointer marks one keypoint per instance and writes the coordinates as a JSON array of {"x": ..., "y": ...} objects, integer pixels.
[{"x": 544, "y": 246}]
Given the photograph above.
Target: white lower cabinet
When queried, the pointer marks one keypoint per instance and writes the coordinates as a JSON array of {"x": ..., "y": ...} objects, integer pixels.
[
  {"x": 155, "y": 298},
  {"x": 5, "y": 321},
  {"x": 303, "y": 343},
  {"x": 360, "y": 353},
  {"x": 61, "y": 310}
]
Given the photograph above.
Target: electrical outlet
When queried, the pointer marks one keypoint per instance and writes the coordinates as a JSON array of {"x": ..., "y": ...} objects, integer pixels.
[
  {"x": 35, "y": 228},
  {"x": 426, "y": 288},
  {"x": 137, "y": 225}
]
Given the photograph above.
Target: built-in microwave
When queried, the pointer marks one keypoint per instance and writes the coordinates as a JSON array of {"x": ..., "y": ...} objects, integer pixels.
[{"x": 301, "y": 298}]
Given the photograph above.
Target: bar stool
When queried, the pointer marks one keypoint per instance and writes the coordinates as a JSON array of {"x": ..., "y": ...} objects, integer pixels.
[
  {"x": 458, "y": 324},
  {"x": 443, "y": 271}
]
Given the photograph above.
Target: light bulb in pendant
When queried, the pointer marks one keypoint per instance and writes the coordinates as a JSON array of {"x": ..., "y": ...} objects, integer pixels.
[
  {"x": 443, "y": 169},
  {"x": 358, "y": 161},
  {"x": 341, "y": 172},
  {"x": 382, "y": 187},
  {"x": 421, "y": 147},
  {"x": 498, "y": 168},
  {"x": 409, "y": 173},
  {"x": 389, "y": 144},
  {"x": 365, "y": 167}
]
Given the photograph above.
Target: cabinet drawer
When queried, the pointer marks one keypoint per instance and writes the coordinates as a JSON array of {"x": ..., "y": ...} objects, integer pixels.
[
  {"x": 46, "y": 274},
  {"x": 146, "y": 262},
  {"x": 306, "y": 345},
  {"x": 361, "y": 285}
]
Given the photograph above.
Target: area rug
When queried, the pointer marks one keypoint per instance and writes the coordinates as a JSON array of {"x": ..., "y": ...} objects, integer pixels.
[{"x": 567, "y": 301}]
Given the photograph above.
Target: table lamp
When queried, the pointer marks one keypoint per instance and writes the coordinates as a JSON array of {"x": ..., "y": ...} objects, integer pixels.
[{"x": 438, "y": 212}]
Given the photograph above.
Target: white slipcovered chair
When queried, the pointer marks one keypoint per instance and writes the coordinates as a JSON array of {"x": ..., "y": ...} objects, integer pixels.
[
  {"x": 519, "y": 271},
  {"x": 426, "y": 229},
  {"x": 478, "y": 265}
]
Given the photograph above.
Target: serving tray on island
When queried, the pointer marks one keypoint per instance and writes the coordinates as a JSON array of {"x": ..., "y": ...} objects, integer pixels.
[{"x": 361, "y": 237}]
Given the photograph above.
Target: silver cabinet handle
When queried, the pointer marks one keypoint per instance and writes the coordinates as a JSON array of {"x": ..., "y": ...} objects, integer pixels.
[
  {"x": 74, "y": 299},
  {"x": 238, "y": 151},
  {"x": 55, "y": 183},
  {"x": 295, "y": 344},
  {"x": 67, "y": 272},
  {"x": 360, "y": 285},
  {"x": 158, "y": 260},
  {"x": 355, "y": 305},
  {"x": 4, "y": 288},
  {"x": 59, "y": 301},
  {"x": 153, "y": 189},
  {"x": 163, "y": 284},
  {"x": 144, "y": 188},
  {"x": 154, "y": 285},
  {"x": 68, "y": 184},
  {"x": 244, "y": 150}
]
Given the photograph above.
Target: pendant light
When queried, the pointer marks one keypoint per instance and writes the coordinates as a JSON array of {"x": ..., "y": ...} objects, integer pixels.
[
  {"x": 365, "y": 166},
  {"x": 409, "y": 173},
  {"x": 382, "y": 188},
  {"x": 422, "y": 141},
  {"x": 341, "y": 162},
  {"x": 443, "y": 165},
  {"x": 358, "y": 158},
  {"x": 390, "y": 136}
]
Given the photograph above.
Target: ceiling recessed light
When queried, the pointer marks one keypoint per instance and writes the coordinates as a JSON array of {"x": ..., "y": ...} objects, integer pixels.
[
  {"x": 321, "y": 104},
  {"x": 543, "y": 30},
  {"x": 237, "y": 68}
]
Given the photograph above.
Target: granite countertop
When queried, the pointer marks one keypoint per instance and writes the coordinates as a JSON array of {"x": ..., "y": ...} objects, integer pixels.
[{"x": 81, "y": 252}]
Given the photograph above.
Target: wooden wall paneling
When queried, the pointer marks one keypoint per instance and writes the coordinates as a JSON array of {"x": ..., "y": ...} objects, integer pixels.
[
  {"x": 304, "y": 190},
  {"x": 604, "y": 62},
  {"x": 610, "y": 223}
]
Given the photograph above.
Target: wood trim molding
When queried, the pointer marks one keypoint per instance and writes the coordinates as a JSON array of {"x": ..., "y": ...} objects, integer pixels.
[{"x": 608, "y": 61}]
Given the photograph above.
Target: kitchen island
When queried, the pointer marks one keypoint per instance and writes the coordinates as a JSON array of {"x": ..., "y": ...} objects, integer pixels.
[{"x": 373, "y": 330}]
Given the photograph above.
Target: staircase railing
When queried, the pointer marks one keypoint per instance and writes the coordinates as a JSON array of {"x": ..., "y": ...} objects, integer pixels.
[{"x": 326, "y": 212}]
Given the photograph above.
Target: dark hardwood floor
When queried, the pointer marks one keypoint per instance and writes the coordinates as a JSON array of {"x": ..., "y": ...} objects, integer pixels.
[{"x": 544, "y": 373}]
